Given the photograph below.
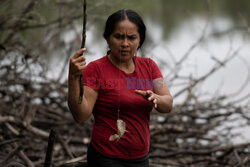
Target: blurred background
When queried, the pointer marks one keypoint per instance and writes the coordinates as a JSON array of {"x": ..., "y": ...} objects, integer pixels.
[{"x": 201, "y": 47}]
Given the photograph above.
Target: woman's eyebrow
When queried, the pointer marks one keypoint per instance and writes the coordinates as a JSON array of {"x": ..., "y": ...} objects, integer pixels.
[
  {"x": 123, "y": 35},
  {"x": 132, "y": 35},
  {"x": 119, "y": 34}
]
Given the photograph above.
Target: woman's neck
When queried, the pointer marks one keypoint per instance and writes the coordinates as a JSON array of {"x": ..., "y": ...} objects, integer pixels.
[{"x": 126, "y": 66}]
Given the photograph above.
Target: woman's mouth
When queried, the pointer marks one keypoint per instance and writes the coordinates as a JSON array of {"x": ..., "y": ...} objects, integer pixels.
[{"x": 124, "y": 51}]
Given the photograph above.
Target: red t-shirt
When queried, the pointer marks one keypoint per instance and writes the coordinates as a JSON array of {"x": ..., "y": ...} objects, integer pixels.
[{"x": 115, "y": 90}]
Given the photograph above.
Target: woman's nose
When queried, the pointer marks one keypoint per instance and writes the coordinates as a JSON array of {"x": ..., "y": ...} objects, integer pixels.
[{"x": 125, "y": 43}]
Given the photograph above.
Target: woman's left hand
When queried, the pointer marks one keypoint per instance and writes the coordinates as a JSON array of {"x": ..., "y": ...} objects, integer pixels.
[{"x": 149, "y": 95}]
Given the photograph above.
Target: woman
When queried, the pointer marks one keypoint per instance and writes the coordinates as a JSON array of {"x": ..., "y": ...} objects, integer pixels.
[{"x": 120, "y": 90}]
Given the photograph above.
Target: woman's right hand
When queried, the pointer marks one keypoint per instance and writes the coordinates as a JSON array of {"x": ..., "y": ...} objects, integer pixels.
[{"x": 77, "y": 64}]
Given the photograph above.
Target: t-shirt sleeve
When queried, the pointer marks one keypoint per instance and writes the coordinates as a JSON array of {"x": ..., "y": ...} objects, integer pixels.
[
  {"x": 155, "y": 70},
  {"x": 91, "y": 76}
]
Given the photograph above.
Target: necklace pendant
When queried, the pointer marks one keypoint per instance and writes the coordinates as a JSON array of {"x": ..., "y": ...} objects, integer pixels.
[{"x": 121, "y": 127}]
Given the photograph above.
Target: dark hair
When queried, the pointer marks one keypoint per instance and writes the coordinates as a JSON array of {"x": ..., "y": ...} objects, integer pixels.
[{"x": 121, "y": 15}]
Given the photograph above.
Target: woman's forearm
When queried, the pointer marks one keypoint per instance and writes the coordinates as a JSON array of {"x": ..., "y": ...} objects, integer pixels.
[
  {"x": 164, "y": 103},
  {"x": 80, "y": 112}
]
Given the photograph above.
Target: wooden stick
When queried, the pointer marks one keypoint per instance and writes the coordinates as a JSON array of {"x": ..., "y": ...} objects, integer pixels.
[
  {"x": 26, "y": 159},
  {"x": 5, "y": 142},
  {"x": 11, "y": 155},
  {"x": 82, "y": 46},
  {"x": 49, "y": 153},
  {"x": 84, "y": 24},
  {"x": 64, "y": 145}
]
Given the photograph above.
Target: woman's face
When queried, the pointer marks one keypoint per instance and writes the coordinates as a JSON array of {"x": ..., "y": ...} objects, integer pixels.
[{"x": 124, "y": 40}]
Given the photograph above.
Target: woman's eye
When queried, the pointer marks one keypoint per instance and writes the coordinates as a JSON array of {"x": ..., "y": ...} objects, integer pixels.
[
  {"x": 131, "y": 38},
  {"x": 118, "y": 36}
]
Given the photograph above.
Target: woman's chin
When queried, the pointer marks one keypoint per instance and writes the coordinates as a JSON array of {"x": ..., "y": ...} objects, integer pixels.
[{"x": 126, "y": 56}]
